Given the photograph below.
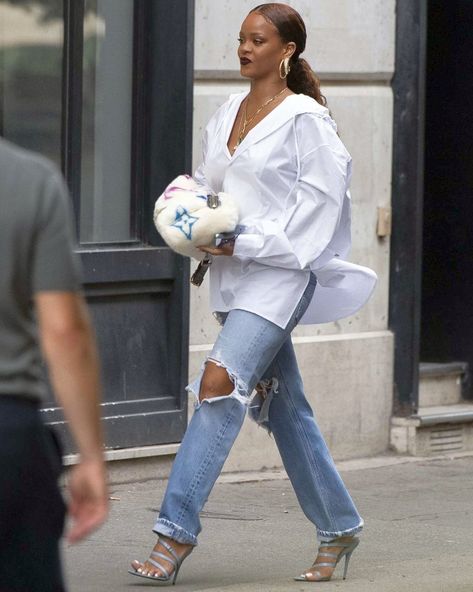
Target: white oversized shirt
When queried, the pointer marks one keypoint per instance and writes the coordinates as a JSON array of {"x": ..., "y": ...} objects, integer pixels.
[{"x": 290, "y": 177}]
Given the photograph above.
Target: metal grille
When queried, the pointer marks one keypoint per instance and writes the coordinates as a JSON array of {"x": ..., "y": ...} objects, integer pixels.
[{"x": 446, "y": 439}]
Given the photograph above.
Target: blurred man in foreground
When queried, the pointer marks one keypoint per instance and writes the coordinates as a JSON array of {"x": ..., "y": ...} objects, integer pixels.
[{"x": 41, "y": 306}]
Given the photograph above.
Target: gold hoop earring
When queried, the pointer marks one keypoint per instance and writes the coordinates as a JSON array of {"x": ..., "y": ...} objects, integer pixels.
[{"x": 284, "y": 68}]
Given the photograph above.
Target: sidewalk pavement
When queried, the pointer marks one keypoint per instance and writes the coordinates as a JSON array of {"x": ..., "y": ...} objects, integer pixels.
[{"x": 418, "y": 535}]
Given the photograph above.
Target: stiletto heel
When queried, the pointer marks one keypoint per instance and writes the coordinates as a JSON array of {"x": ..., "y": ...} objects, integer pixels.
[
  {"x": 347, "y": 561},
  {"x": 346, "y": 545}
]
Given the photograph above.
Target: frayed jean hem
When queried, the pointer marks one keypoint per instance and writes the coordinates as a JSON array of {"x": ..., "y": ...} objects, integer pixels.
[
  {"x": 325, "y": 535},
  {"x": 173, "y": 531}
]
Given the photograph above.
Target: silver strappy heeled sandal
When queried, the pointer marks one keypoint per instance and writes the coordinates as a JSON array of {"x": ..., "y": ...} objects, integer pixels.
[
  {"x": 347, "y": 548},
  {"x": 169, "y": 575}
]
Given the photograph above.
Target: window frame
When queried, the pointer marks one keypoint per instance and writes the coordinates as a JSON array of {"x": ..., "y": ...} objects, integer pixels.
[{"x": 72, "y": 101}]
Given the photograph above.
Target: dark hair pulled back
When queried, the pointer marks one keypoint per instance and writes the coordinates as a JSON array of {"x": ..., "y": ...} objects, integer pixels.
[{"x": 291, "y": 27}]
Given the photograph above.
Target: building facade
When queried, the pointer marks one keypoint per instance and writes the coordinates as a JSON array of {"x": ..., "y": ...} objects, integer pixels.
[{"x": 118, "y": 92}]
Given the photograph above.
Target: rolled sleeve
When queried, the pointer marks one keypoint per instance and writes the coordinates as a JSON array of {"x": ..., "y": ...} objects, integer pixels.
[{"x": 309, "y": 224}]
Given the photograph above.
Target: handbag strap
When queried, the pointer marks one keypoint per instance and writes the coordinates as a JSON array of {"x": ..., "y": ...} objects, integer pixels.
[{"x": 198, "y": 276}]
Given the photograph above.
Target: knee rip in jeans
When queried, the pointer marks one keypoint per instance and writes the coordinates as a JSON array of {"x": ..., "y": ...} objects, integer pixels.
[
  {"x": 239, "y": 392},
  {"x": 258, "y": 405}
]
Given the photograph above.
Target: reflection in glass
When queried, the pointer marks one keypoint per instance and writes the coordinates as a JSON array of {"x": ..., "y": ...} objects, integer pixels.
[
  {"x": 106, "y": 125},
  {"x": 31, "y": 47}
]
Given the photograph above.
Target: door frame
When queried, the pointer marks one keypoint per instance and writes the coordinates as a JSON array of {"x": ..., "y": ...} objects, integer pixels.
[{"x": 407, "y": 200}]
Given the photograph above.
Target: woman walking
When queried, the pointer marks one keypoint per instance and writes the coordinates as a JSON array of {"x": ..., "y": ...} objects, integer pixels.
[{"x": 276, "y": 150}]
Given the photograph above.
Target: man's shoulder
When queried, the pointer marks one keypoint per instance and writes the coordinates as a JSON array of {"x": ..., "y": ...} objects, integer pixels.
[{"x": 14, "y": 159}]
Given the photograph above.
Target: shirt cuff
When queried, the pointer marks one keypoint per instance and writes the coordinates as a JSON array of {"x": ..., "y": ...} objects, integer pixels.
[{"x": 247, "y": 246}]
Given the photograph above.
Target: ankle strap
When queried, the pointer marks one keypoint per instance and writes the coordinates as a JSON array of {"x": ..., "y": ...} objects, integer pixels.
[
  {"x": 337, "y": 543},
  {"x": 168, "y": 547}
]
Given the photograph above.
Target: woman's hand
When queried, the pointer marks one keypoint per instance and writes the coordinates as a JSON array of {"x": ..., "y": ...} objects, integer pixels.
[{"x": 224, "y": 248}]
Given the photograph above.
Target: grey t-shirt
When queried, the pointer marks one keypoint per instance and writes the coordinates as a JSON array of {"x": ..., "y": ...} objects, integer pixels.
[{"x": 36, "y": 255}]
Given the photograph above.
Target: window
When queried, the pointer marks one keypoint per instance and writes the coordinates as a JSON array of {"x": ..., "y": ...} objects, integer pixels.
[
  {"x": 31, "y": 51},
  {"x": 66, "y": 91},
  {"x": 106, "y": 121}
]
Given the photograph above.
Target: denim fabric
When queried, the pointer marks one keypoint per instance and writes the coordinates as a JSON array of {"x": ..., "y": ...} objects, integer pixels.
[{"x": 254, "y": 350}]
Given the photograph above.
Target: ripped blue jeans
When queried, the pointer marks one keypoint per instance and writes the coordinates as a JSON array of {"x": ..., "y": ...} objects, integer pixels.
[{"x": 254, "y": 352}]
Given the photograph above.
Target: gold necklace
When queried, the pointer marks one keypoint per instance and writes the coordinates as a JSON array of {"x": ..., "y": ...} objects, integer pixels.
[{"x": 245, "y": 122}]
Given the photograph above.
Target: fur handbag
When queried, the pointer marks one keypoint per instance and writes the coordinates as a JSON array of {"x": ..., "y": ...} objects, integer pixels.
[{"x": 187, "y": 217}]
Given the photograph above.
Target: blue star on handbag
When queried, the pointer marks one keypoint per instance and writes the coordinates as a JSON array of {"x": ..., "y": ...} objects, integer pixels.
[{"x": 184, "y": 222}]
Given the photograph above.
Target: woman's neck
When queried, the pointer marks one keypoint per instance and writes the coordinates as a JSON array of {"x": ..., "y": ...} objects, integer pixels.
[{"x": 261, "y": 90}]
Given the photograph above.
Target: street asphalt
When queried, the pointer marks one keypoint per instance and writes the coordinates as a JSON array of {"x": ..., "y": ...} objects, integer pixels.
[{"x": 418, "y": 535}]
